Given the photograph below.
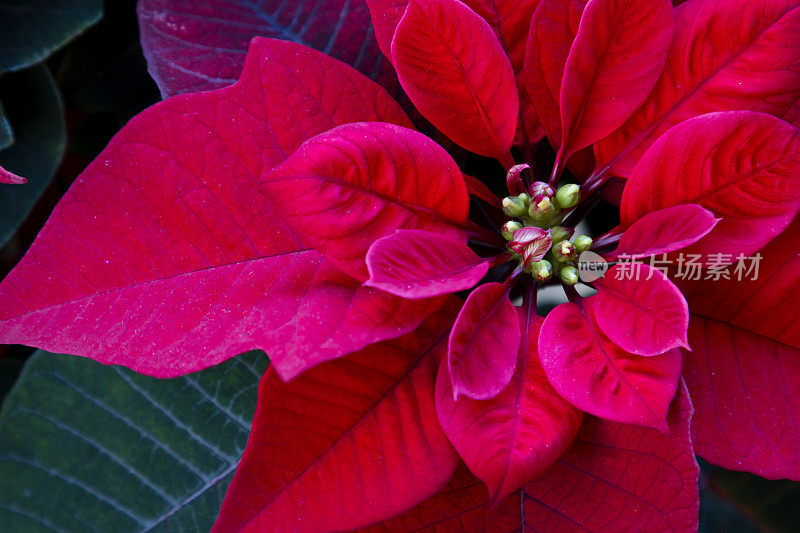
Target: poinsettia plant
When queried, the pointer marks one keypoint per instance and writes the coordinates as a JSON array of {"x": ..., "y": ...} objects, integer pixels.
[{"x": 350, "y": 228}]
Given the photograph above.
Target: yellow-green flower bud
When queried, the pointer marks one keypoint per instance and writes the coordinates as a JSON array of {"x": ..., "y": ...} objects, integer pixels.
[
  {"x": 564, "y": 252},
  {"x": 569, "y": 275},
  {"x": 513, "y": 206},
  {"x": 567, "y": 196},
  {"x": 561, "y": 233},
  {"x": 542, "y": 270},
  {"x": 542, "y": 211},
  {"x": 509, "y": 228},
  {"x": 582, "y": 243}
]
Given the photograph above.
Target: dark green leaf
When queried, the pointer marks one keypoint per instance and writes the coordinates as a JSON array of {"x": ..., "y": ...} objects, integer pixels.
[
  {"x": 34, "y": 108},
  {"x": 30, "y": 30},
  {"x": 743, "y": 502},
  {"x": 6, "y": 133},
  {"x": 87, "y": 447}
]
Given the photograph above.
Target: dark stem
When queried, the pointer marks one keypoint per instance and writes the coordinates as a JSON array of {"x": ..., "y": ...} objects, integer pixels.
[
  {"x": 607, "y": 239},
  {"x": 596, "y": 180},
  {"x": 486, "y": 216},
  {"x": 480, "y": 234},
  {"x": 499, "y": 259},
  {"x": 572, "y": 294},
  {"x": 511, "y": 280}
]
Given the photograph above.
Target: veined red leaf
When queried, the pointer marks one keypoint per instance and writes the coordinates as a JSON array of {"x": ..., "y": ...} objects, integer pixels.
[
  {"x": 352, "y": 442},
  {"x": 603, "y": 482},
  {"x": 746, "y": 387},
  {"x": 552, "y": 31},
  {"x": 599, "y": 377},
  {"x": 641, "y": 310},
  {"x": 517, "y": 435},
  {"x": 740, "y": 165},
  {"x": 743, "y": 372},
  {"x": 510, "y": 21},
  {"x": 607, "y": 480},
  {"x": 727, "y": 54},
  {"x": 463, "y": 505},
  {"x": 195, "y": 46},
  {"x": 457, "y": 74},
  {"x": 10, "y": 177},
  {"x": 386, "y": 15},
  {"x": 665, "y": 230},
  {"x": 344, "y": 189},
  {"x": 166, "y": 258},
  {"x": 417, "y": 264},
  {"x": 614, "y": 62},
  {"x": 483, "y": 344}
]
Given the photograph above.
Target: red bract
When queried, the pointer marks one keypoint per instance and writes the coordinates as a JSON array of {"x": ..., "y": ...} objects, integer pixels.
[
  {"x": 456, "y": 73},
  {"x": 743, "y": 166},
  {"x": 298, "y": 211},
  {"x": 600, "y": 377},
  {"x": 483, "y": 344},
  {"x": 602, "y": 65},
  {"x": 745, "y": 337},
  {"x": 639, "y": 309},
  {"x": 419, "y": 264},
  {"x": 518, "y": 435},
  {"x": 719, "y": 50}
]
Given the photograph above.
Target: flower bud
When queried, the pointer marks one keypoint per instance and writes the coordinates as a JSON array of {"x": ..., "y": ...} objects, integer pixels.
[
  {"x": 513, "y": 206},
  {"x": 509, "y": 228},
  {"x": 564, "y": 252},
  {"x": 540, "y": 187},
  {"x": 567, "y": 196},
  {"x": 582, "y": 243},
  {"x": 542, "y": 211},
  {"x": 532, "y": 243},
  {"x": 542, "y": 270},
  {"x": 569, "y": 275},
  {"x": 561, "y": 233}
]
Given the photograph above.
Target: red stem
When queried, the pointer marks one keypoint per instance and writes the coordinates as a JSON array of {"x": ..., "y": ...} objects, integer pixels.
[
  {"x": 512, "y": 278},
  {"x": 610, "y": 237}
]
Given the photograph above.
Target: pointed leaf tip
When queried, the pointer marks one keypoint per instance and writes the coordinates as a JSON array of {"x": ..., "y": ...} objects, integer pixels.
[
  {"x": 666, "y": 230},
  {"x": 419, "y": 264},
  {"x": 353, "y": 204},
  {"x": 641, "y": 310},
  {"x": 167, "y": 234},
  {"x": 483, "y": 344},
  {"x": 599, "y": 377},
  {"x": 511, "y": 439},
  {"x": 604, "y": 83},
  {"x": 457, "y": 74},
  {"x": 740, "y": 165},
  {"x": 10, "y": 177}
]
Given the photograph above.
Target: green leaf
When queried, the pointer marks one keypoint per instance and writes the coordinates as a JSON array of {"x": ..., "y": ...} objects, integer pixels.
[
  {"x": 743, "y": 502},
  {"x": 6, "y": 133},
  {"x": 87, "y": 447},
  {"x": 33, "y": 106},
  {"x": 31, "y": 30}
]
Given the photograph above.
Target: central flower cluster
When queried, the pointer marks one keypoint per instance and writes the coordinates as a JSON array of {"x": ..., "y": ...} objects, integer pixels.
[{"x": 536, "y": 238}]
